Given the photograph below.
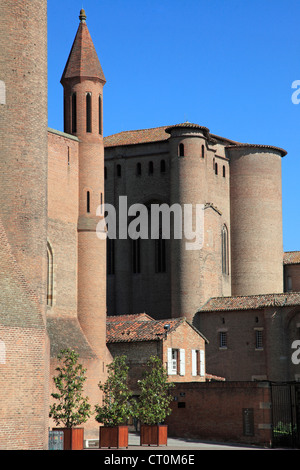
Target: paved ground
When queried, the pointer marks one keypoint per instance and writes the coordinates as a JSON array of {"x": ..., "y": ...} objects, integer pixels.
[{"x": 184, "y": 445}]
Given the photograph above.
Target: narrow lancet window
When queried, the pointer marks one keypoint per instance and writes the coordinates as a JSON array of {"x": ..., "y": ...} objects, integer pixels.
[
  {"x": 181, "y": 150},
  {"x": 89, "y": 112},
  {"x": 225, "y": 256},
  {"x": 88, "y": 202},
  {"x": 49, "y": 275},
  {"x": 100, "y": 114},
  {"x": 74, "y": 113}
]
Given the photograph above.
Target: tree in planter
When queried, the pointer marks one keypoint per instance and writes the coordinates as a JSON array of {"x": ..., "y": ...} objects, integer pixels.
[
  {"x": 117, "y": 407},
  {"x": 152, "y": 407},
  {"x": 72, "y": 408}
]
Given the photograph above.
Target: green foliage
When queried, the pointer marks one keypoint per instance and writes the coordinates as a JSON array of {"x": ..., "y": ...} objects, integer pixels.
[
  {"x": 153, "y": 403},
  {"x": 117, "y": 407},
  {"x": 72, "y": 408}
]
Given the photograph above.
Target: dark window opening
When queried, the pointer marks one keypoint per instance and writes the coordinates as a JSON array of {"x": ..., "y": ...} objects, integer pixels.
[
  {"x": 136, "y": 256},
  {"x": 181, "y": 150},
  {"x": 150, "y": 168},
  {"x": 258, "y": 339},
  {"x": 88, "y": 202},
  {"x": 160, "y": 255},
  {"x": 216, "y": 168},
  {"x": 223, "y": 339},
  {"x": 202, "y": 151},
  {"x": 119, "y": 171},
  {"x": 105, "y": 172},
  {"x": 224, "y": 171},
  {"x": 100, "y": 114},
  {"x": 74, "y": 113},
  {"x": 162, "y": 166},
  {"x": 138, "y": 169},
  {"x": 110, "y": 256},
  {"x": 181, "y": 404},
  {"x": 89, "y": 112}
]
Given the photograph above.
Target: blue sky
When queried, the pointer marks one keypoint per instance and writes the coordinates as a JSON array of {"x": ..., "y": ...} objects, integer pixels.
[{"x": 228, "y": 65}]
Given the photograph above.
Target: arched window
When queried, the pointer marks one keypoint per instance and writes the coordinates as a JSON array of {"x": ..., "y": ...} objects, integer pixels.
[
  {"x": 49, "y": 275},
  {"x": 119, "y": 171},
  {"x": 74, "y": 113},
  {"x": 100, "y": 113},
  {"x": 162, "y": 166},
  {"x": 88, "y": 201},
  {"x": 225, "y": 249},
  {"x": 181, "y": 150},
  {"x": 150, "y": 168},
  {"x": 224, "y": 171},
  {"x": 89, "y": 112},
  {"x": 138, "y": 169}
]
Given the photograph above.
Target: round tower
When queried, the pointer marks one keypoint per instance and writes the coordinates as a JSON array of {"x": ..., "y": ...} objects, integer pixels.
[
  {"x": 188, "y": 148},
  {"x": 24, "y": 378},
  {"x": 83, "y": 82},
  {"x": 256, "y": 219}
]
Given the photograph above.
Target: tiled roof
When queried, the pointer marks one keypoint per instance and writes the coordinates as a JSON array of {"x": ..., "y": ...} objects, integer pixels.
[
  {"x": 139, "y": 330},
  {"x": 291, "y": 257},
  {"x": 129, "y": 317},
  {"x": 65, "y": 332},
  {"x": 140, "y": 136},
  {"x": 83, "y": 60},
  {"x": 271, "y": 147},
  {"x": 251, "y": 302}
]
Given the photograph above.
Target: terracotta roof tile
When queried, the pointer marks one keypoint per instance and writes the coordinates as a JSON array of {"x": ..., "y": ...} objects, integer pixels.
[
  {"x": 140, "y": 136},
  {"x": 139, "y": 330},
  {"x": 83, "y": 60},
  {"x": 251, "y": 302},
  {"x": 129, "y": 317},
  {"x": 291, "y": 257}
]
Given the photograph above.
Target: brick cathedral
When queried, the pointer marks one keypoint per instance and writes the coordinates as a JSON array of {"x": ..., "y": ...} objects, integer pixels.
[{"x": 60, "y": 283}]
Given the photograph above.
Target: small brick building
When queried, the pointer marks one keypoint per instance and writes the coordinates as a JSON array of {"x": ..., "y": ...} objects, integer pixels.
[{"x": 179, "y": 345}]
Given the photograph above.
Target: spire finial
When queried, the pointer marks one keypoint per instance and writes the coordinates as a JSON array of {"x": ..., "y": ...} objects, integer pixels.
[{"x": 82, "y": 16}]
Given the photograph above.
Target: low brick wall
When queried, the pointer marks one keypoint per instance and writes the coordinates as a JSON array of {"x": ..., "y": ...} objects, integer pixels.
[{"x": 222, "y": 411}]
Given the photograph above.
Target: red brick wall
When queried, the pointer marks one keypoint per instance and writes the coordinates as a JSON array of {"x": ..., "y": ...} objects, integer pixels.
[{"x": 214, "y": 411}]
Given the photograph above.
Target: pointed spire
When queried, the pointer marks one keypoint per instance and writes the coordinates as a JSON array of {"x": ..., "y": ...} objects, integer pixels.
[{"x": 83, "y": 61}]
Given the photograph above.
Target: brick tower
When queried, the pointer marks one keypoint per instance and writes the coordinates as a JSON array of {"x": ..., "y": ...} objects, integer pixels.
[
  {"x": 83, "y": 82},
  {"x": 256, "y": 219},
  {"x": 24, "y": 345}
]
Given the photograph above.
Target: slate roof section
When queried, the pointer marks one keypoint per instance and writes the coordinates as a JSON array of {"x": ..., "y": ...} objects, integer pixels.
[
  {"x": 65, "y": 332},
  {"x": 251, "y": 302},
  {"x": 127, "y": 331},
  {"x": 291, "y": 257},
  {"x": 83, "y": 61}
]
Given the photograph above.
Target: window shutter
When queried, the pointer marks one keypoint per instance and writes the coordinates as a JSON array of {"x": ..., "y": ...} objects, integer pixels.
[
  {"x": 202, "y": 363},
  {"x": 170, "y": 371},
  {"x": 182, "y": 362},
  {"x": 194, "y": 362}
]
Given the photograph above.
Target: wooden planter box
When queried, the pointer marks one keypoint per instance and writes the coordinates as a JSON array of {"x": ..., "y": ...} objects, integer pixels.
[
  {"x": 156, "y": 435},
  {"x": 116, "y": 436},
  {"x": 73, "y": 438}
]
